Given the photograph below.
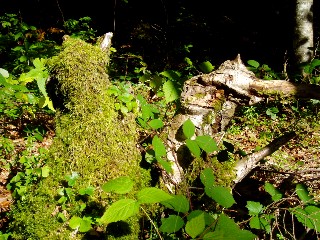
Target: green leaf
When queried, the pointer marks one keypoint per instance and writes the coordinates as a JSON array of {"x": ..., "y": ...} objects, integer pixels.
[
  {"x": 227, "y": 229},
  {"x": 221, "y": 195},
  {"x": 167, "y": 166},
  {"x": 120, "y": 211},
  {"x": 170, "y": 91},
  {"x": 309, "y": 216},
  {"x": 45, "y": 171},
  {"x": 206, "y": 67},
  {"x": 261, "y": 222},
  {"x": 276, "y": 195},
  {"x": 87, "y": 191},
  {"x": 85, "y": 224},
  {"x": 174, "y": 75},
  {"x": 206, "y": 143},
  {"x": 39, "y": 63},
  {"x": 207, "y": 177},
  {"x": 120, "y": 185},
  {"x": 188, "y": 128},
  {"x": 303, "y": 193},
  {"x": 75, "y": 222},
  {"x": 193, "y": 147},
  {"x": 255, "y": 208},
  {"x": 152, "y": 195},
  {"x": 195, "y": 226},
  {"x": 72, "y": 178},
  {"x": 178, "y": 203},
  {"x": 158, "y": 147},
  {"x": 207, "y": 217},
  {"x": 253, "y": 63},
  {"x": 171, "y": 224},
  {"x": 156, "y": 123}
]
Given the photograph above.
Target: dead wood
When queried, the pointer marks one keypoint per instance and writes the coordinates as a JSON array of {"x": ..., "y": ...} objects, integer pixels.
[{"x": 210, "y": 100}]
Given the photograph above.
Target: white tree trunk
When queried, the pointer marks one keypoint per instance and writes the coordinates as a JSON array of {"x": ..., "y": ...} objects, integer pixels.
[{"x": 303, "y": 42}]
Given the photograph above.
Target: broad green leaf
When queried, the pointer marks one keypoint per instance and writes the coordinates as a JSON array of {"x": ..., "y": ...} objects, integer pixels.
[
  {"x": 206, "y": 67},
  {"x": 165, "y": 164},
  {"x": 227, "y": 229},
  {"x": 170, "y": 91},
  {"x": 85, "y": 225},
  {"x": 120, "y": 211},
  {"x": 178, "y": 203},
  {"x": 261, "y": 222},
  {"x": 174, "y": 75},
  {"x": 303, "y": 193},
  {"x": 87, "y": 191},
  {"x": 195, "y": 226},
  {"x": 207, "y": 217},
  {"x": 120, "y": 185},
  {"x": 171, "y": 224},
  {"x": 75, "y": 222},
  {"x": 253, "y": 63},
  {"x": 152, "y": 195},
  {"x": 207, "y": 177},
  {"x": 309, "y": 216},
  {"x": 209, "y": 236},
  {"x": 274, "y": 192},
  {"x": 156, "y": 123},
  {"x": 255, "y": 208},
  {"x": 45, "y": 171},
  {"x": 158, "y": 147},
  {"x": 193, "y": 147},
  {"x": 188, "y": 128},
  {"x": 221, "y": 195},
  {"x": 39, "y": 63},
  {"x": 206, "y": 143}
]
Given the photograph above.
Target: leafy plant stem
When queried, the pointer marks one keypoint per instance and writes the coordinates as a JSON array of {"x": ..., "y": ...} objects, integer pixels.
[{"x": 155, "y": 227}]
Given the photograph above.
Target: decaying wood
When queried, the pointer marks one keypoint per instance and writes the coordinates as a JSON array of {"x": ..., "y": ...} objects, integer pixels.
[
  {"x": 210, "y": 100},
  {"x": 245, "y": 165}
]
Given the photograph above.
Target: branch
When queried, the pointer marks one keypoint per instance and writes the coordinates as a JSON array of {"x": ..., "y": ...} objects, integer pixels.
[{"x": 246, "y": 164}]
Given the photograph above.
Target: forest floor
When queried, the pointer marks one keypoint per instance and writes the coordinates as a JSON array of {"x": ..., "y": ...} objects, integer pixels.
[{"x": 297, "y": 161}]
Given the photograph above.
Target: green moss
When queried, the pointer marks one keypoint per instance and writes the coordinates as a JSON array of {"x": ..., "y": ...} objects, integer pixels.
[{"x": 91, "y": 139}]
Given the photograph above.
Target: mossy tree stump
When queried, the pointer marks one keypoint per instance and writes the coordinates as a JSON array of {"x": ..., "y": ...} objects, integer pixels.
[{"x": 91, "y": 140}]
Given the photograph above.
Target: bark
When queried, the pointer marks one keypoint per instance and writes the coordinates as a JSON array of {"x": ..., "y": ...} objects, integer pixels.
[
  {"x": 303, "y": 42},
  {"x": 210, "y": 100}
]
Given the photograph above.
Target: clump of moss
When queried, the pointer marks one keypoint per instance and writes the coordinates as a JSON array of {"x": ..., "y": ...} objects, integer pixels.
[{"x": 91, "y": 139}]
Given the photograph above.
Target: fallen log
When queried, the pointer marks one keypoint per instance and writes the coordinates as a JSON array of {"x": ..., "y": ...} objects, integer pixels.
[{"x": 210, "y": 100}]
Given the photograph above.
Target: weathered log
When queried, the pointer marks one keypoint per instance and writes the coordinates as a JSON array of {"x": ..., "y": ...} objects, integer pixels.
[{"x": 210, "y": 100}]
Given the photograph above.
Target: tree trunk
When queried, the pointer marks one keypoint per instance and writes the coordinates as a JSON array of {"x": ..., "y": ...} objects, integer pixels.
[{"x": 303, "y": 42}]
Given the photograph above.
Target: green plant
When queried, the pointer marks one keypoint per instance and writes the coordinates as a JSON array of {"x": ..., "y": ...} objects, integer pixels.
[
  {"x": 80, "y": 29},
  {"x": 125, "y": 101},
  {"x": 311, "y": 71},
  {"x": 25, "y": 94},
  {"x": 194, "y": 223},
  {"x": 262, "y": 71},
  {"x": 29, "y": 168},
  {"x": 21, "y": 44}
]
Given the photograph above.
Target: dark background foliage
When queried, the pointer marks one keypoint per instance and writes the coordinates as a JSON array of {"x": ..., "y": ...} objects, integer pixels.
[{"x": 159, "y": 29}]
